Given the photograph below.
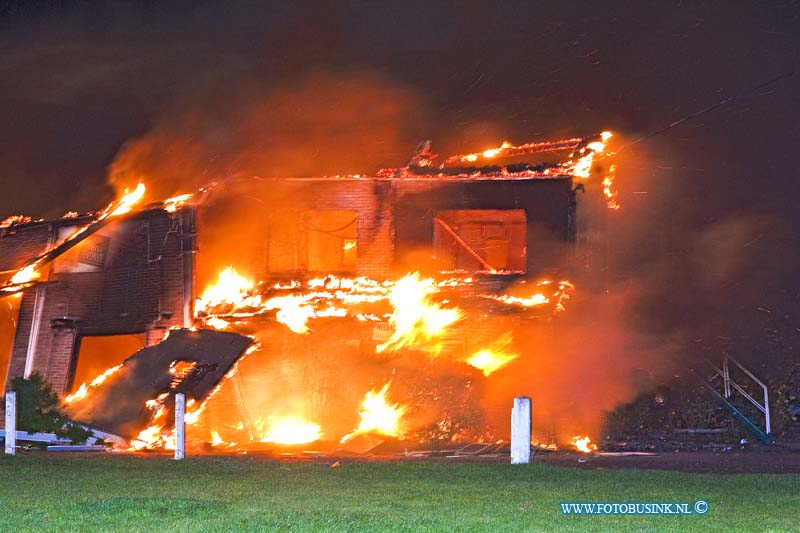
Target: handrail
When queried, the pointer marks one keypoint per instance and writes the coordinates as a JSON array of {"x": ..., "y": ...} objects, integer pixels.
[{"x": 729, "y": 384}]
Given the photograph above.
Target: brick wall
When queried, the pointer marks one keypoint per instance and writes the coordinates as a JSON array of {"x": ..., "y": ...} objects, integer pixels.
[
  {"x": 138, "y": 289},
  {"x": 395, "y": 217}
]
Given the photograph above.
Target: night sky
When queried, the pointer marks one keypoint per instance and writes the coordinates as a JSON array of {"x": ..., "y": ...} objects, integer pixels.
[{"x": 79, "y": 79}]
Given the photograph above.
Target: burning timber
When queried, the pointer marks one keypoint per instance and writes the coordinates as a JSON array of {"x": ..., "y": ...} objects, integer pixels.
[{"x": 374, "y": 307}]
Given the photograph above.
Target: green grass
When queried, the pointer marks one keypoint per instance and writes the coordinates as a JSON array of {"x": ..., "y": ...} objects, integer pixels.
[{"x": 223, "y": 494}]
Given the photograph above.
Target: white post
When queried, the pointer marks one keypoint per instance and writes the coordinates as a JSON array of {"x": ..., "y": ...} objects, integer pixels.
[
  {"x": 521, "y": 431},
  {"x": 180, "y": 426},
  {"x": 11, "y": 422}
]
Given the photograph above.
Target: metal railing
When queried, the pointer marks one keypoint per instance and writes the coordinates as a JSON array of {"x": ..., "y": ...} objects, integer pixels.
[{"x": 730, "y": 386}]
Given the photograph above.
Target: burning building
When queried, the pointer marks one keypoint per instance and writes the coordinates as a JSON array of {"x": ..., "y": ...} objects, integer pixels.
[{"x": 379, "y": 305}]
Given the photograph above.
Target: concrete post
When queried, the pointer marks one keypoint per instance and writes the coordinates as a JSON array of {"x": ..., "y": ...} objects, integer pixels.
[
  {"x": 11, "y": 422},
  {"x": 180, "y": 426},
  {"x": 521, "y": 431}
]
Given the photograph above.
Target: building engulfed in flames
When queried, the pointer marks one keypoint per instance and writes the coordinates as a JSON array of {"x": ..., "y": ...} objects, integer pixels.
[{"x": 382, "y": 306}]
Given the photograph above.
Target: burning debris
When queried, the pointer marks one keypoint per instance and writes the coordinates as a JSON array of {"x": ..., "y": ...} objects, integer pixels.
[{"x": 133, "y": 395}]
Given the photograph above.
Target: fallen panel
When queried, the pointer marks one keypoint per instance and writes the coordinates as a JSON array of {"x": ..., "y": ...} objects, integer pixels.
[{"x": 191, "y": 362}]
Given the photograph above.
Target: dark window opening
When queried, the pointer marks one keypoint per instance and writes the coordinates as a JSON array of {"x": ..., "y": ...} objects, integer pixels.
[{"x": 322, "y": 241}]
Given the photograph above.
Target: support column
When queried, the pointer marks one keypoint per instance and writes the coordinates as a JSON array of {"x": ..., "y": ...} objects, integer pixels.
[
  {"x": 11, "y": 422},
  {"x": 180, "y": 426},
  {"x": 521, "y": 431}
]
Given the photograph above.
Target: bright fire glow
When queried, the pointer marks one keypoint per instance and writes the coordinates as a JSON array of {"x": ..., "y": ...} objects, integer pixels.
[
  {"x": 584, "y": 444},
  {"x": 230, "y": 289},
  {"x": 378, "y": 415},
  {"x": 84, "y": 389},
  {"x": 416, "y": 319},
  {"x": 25, "y": 275},
  {"x": 15, "y": 219},
  {"x": 129, "y": 200},
  {"x": 506, "y": 149},
  {"x": 609, "y": 190},
  {"x": 493, "y": 358},
  {"x": 292, "y": 430},
  {"x": 582, "y": 162},
  {"x": 172, "y": 204},
  {"x": 216, "y": 440},
  {"x": 292, "y": 312}
]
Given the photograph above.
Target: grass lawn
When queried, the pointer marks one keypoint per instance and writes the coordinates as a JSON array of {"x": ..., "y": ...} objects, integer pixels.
[{"x": 118, "y": 492}]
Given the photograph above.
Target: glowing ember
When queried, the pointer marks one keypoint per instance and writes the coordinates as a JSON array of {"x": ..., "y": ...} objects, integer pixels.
[
  {"x": 172, "y": 204},
  {"x": 378, "y": 415},
  {"x": 609, "y": 190},
  {"x": 83, "y": 389},
  {"x": 506, "y": 149},
  {"x": 15, "y": 219},
  {"x": 493, "y": 358},
  {"x": 292, "y": 430},
  {"x": 583, "y": 444},
  {"x": 180, "y": 370},
  {"x": 416, "y": 319}
]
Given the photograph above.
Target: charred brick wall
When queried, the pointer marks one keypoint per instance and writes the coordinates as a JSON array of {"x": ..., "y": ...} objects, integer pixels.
[
  {"x": 396, "y": 217},
  {"x": 126, "y": 278}
]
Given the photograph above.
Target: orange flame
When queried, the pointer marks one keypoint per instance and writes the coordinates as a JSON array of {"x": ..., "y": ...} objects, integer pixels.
[
  {"x": 173, "y": 204},
  {"x": 25, "y": 275},
  {"x": 83, "y": 390},
  {"x": 415, "y": 318},
  {"x": 378, "y": 415},
  {"x": 609, "y": 190},
  {"x": 129, "y": 200},
  {"x": 583, "y": 444},
  {"x": 582, "y": 161},
  {"x": 493, "y": 358},
  {"x": 230, "y": 289},
  {"x": 291, "y": 430}
]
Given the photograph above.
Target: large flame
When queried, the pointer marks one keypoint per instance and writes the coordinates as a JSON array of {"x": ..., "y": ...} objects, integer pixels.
[
  {"x": 128, "y": 201},
  {"x": 291, "y": 430},
  {"x": 378, "y": 415},
  {"x": 416, "y": 319},
  {"x": 25, "y": 275},
  {"x": 583, "y": 159},
  {"x": 231, "y": 289},
  {"x": 583, "y": 444}
]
